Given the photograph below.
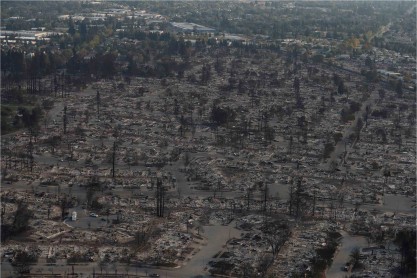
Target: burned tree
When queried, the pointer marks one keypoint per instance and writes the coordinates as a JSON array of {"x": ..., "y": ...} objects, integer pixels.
[
  {"x": 406, "y": 241},
  {"x": 219, "y": 66},
  {"x": 290, "y": 145},
  {"x": 142, "y": 236},
  {"x": 64, "y": 205},
  {"x": 358, "y": 128},
  {"x": 205, "y": 74},
  {"x": 303, "y": 128},
  {"x": 23, "y": 260},
  {"x": 265, "y": 198},
  {"x": 296, "y": 86},
  {"x": 399, "y": 88},
  {"x": 30, "y": 153},
  {"x": 21, "y": 219},
  {"x": 299, "y": 200},
  {"x": 53, "y": 141},
  {"x": 62, "y": 84},
  {"x": 98, "y": 103},
  {"x": 160, "y": 198},
  {"x": 176, "y": 107},
  {"x": 298, "y": 99},
  {"x": 113, "y": 159},
  {"x": 276, "y": 234},
  {"x": 248, "y": 197},
  {"x": 65, "y": 119}
]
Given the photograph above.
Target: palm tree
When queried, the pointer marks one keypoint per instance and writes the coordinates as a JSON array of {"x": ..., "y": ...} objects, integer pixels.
[{"x": 355, "y": 257}]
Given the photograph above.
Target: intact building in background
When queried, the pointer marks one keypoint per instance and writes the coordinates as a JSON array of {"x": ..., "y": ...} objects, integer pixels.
[{"x": 186, "y": 27}]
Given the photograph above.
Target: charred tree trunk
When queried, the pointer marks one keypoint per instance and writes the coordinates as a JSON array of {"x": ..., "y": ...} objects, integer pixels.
[
  {"x": 160, "y": 198},
  {"x": 114, "y": 159}
]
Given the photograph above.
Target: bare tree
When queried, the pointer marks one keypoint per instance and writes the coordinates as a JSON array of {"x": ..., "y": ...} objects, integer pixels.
[
  {"x": 264, "y": 262},
  {"x": 65, "y": 119},
  {"x": 98, "y": 103},
  {"x": 160, "y": 198},
  {"x": 114, "y": 159},
  {"x": 276, "y": 233},
  {"x": 299, "y": 202}
]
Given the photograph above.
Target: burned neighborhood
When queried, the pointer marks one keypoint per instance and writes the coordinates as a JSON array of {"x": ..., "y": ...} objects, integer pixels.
[{"x": 208, "y": 139}]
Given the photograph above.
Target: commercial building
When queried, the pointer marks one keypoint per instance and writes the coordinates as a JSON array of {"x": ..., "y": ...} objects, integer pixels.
[{"x": 187, "y": 27}]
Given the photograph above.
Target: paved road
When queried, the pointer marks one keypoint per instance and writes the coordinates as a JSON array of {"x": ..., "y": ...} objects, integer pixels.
[
  {"x": 217, "y": 236},
  {"x": 342, "y": 254},
  {"x": 342, "y": 145}
]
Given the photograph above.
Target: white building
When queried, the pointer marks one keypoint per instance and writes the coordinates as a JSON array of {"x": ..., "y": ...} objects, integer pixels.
[{"x": 74, "y": 216}]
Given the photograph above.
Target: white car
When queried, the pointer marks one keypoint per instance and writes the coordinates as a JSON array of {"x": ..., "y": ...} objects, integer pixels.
[{"x": 93, "y": 214}]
